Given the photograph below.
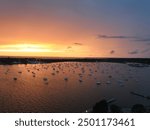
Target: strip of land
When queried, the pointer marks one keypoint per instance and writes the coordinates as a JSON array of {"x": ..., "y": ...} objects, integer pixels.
[{"x": 12, "y": 60}]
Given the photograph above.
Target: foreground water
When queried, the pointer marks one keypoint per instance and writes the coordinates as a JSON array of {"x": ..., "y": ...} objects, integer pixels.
[{"x": 70, "y": 86}]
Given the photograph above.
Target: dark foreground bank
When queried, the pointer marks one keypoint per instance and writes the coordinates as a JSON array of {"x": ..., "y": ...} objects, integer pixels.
[
  {"x": 104, "y": 106},
  {"x": 12, "y": 60}
]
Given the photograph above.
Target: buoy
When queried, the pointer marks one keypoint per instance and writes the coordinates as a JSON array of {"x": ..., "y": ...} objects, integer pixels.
[
  {"x": 98, "y": 83},
  {"x": 15, "y": 79},
  {"x": 45, "y": 79},
  {"x": 66, "y": 79}
]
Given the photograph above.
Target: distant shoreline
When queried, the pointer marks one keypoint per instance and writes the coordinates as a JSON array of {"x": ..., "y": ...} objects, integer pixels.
[{"x": 22, "y": 60}]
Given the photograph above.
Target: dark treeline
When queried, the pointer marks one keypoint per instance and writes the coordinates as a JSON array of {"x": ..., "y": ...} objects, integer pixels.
[{"x": 11, "y": 61}]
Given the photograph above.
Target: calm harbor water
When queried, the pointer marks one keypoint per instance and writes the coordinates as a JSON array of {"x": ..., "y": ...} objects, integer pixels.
[{"x": 70, "y": 86}]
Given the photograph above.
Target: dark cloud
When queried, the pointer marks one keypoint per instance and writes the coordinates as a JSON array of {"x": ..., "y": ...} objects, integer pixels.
[
  {"x": 142, "y": 39},
  {"x": 79, "y": 44},
  {"x": 69, "y": 47},
  {"x": 116, "y": 37},
  {"x": 112, "y": 52},
  {"x": 137, "y": 51},
  {"x": 133, "y": 52},
  {"x": 146, "y": 50},
  {"x": 134, "y": 38}
]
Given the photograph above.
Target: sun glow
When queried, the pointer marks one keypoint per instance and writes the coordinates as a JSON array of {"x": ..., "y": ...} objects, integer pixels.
[
  {"x": 25, "y": 47},
  {"x": 40, "y": 49}
]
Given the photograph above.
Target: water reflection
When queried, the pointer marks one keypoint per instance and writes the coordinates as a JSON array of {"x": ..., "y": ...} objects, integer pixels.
[{"x": 69, "y": 86}]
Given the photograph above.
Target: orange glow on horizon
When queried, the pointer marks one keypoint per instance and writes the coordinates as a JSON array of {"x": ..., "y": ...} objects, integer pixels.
[
  {"x": 42, "y": 49},
  {"x": 28, "y": 49},
  {"x": 25, "y": 48}
]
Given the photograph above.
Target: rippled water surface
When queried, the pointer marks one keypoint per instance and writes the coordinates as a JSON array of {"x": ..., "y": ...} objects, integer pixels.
[{"x": 70, "y": 86}]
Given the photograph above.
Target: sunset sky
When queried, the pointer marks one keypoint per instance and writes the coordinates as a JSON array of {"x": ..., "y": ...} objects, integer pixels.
[{"x": 75, "y": 28}]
